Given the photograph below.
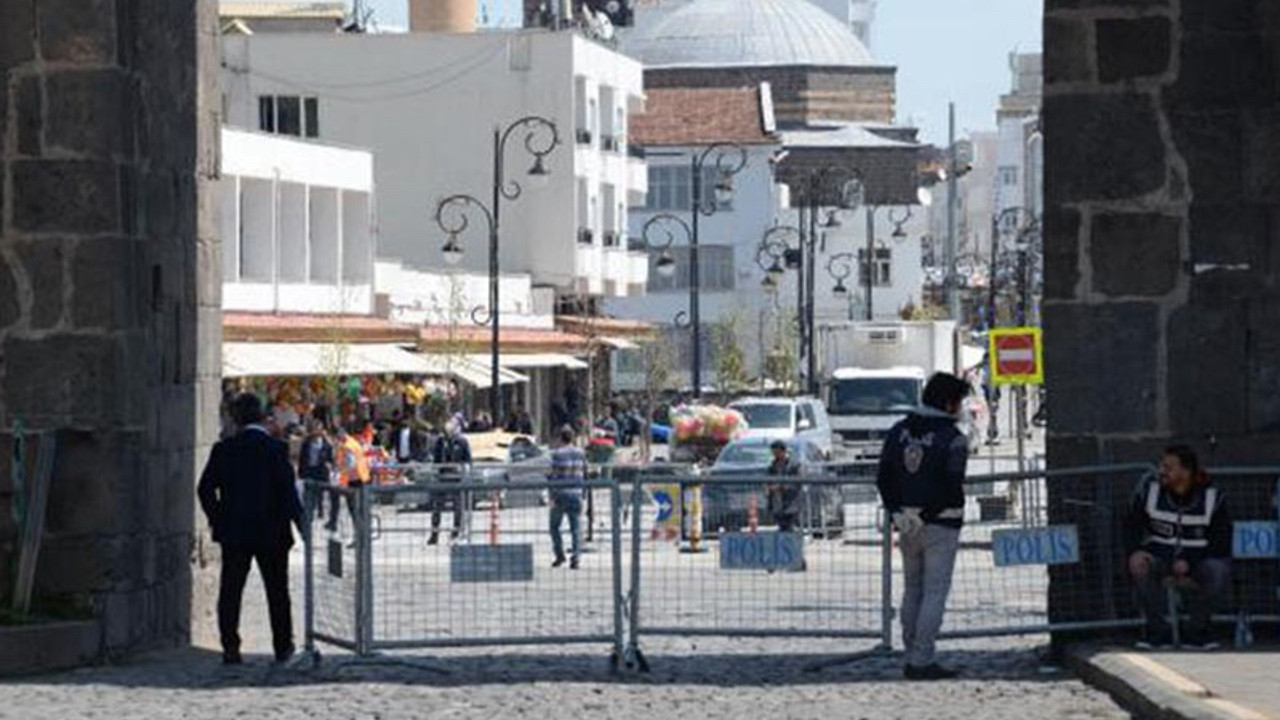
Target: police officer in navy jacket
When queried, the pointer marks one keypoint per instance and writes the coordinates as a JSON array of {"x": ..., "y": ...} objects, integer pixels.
[
  {"x": 921, "y": 483},
  {"x": 1179, "y": 533}
]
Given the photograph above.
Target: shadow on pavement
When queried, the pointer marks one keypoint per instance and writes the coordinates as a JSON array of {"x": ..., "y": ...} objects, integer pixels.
[{"x": 199, "y": 669}]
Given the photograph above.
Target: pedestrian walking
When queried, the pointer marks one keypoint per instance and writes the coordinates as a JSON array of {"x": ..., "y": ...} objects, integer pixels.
[
  {"x": 1179, "y": 533},
  {"x": 783, "y": 499},
  {"x": 452, "y": 455},
  {"x": 353, "y": 472},
  {"x": 315, "y": 462},
  {"x": 921, "y": 483},
  {"x": 247, "y": 494},
  {"x": 569, "y": 474}
]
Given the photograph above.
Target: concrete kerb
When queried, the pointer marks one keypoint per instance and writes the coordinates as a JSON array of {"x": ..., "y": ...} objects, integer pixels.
[{"x": 1149, "y": 689}]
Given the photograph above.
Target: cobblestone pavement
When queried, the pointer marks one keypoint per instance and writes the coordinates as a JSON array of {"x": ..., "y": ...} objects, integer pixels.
[{"x": 718, "y": 679}]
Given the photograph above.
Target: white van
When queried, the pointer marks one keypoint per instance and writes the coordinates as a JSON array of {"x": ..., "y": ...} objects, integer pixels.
[{"x": 787, "y": 418}]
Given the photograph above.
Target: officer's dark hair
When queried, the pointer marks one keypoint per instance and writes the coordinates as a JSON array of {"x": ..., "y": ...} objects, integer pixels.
[
  {"x": 246, "y": 409},
  {"x": 943, "y": 390},
  {"x": 566, "y": 435},
  {"x": 1189, "y": 459}
]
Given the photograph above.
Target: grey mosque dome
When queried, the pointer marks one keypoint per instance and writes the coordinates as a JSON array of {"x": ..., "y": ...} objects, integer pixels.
[{"x": 747, "y": 33}]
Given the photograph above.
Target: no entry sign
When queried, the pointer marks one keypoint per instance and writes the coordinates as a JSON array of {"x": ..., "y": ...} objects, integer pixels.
[{"x": 1016, "y": 357}]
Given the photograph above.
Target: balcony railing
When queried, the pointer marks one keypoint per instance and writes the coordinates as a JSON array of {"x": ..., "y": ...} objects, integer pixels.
[
  {"x": 610, "y": 143},
  {"x": 584, "y": 137},
  {"x": 612, "y": 238},
  {"x": 585, "y": 236}
]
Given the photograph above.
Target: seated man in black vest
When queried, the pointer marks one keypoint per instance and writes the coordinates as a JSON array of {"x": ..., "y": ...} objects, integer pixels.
[{"x": 1180, "y": 534}]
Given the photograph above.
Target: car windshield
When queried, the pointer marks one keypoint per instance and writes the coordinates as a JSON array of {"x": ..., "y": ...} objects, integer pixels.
[
  {"x": 873, "y": 396},
  {"x": 746, "y": 454},
  {"x": 765, "y": 416}
]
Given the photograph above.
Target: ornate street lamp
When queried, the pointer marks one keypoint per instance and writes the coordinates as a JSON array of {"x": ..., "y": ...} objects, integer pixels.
[{"x": 453, "y": 217}]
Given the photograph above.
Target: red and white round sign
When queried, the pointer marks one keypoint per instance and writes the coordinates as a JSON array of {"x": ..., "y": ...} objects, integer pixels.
[{"x": 1016, "y": 354}]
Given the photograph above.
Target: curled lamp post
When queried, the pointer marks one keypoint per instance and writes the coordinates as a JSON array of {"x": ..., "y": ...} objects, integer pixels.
[{"x": 453, "y": 217}]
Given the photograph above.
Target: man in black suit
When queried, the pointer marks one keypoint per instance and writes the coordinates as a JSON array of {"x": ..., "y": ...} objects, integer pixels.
[{"x": 247, "y": 493}]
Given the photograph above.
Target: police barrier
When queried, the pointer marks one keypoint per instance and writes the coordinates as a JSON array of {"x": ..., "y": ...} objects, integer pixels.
[
  {"x": 760, "y": 556},
  {"x": 800, "y": 557},
  {"x": 393, "y": 579}
]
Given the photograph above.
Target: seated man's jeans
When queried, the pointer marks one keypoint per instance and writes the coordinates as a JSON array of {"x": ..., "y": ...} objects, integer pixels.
[{"x": 1210, "y": 582}]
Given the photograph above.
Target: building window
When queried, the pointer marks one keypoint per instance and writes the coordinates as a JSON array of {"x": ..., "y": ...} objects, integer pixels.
[
  {"x": 289, "y": 115},
  {"x": 1008, "y": 175},
  {"x": 883, "y": 267},
  {"x": 715, "y": 269},
  {"x": 670, "y": 189}
]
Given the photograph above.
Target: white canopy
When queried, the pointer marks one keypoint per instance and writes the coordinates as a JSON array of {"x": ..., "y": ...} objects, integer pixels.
[
  {"x": 535, "y": 360},
  {"x": 251, "y": 359}
]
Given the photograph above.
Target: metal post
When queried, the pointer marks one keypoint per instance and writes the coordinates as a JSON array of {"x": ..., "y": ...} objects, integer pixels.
[
  {"x": 615, "y": 536},
  {"x": 801, "y": 317},
  {"x": 364, "y": 571},
  {"x": 870, "y": 259},
  {"x": 950, "y": 283},
  {"x": 811, "y": 273},
  {"x": 1021, "y": 418},
  {"x": 886, "y": 584},
  {"x": 308, "y": 571},
  {"x": 695, "y": 311},
  {"x": 633, "y": 644},
  {"x": 495, "y": 389}
]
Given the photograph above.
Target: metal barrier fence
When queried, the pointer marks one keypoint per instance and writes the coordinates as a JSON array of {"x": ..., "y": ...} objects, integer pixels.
[{"x": 680, "y": 554}]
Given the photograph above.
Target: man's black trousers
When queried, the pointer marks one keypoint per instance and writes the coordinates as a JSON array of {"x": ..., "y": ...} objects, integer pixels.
[{"x": 273, "y": 566}]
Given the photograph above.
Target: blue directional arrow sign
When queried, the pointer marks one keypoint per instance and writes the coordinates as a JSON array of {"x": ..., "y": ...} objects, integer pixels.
[{"x": 665, "y": 505}]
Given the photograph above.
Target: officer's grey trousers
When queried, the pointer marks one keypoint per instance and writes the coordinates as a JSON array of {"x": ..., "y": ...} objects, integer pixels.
[{"x": 928, "y": 557}]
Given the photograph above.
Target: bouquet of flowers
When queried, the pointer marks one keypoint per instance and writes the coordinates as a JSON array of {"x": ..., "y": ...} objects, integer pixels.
[{"x": 697, "y": 424}]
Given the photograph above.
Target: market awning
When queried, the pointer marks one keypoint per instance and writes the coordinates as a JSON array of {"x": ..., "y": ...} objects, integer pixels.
[
  {"x": 619, "y": 343},
  {"x": 308, "y": 359},
  {"x": 535, "y": 360}
]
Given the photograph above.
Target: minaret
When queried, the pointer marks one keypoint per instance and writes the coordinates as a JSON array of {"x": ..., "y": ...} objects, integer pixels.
[{"x": 862, "y": 13}]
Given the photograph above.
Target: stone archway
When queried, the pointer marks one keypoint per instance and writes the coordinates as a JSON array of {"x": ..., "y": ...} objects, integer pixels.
[
  {"x": 109, "y": 298},
  {"x": 1162, "y": 244}
]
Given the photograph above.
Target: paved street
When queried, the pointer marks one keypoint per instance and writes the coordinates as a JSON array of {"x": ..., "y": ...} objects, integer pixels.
[
  {"x": 691, "y": 677},
  {"x": 712, "y": 679}
]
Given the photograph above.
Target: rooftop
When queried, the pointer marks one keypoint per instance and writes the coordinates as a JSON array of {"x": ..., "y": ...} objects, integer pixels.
[
  {"x": 701, "y": 116},
  {"x": 335, "y": 10},
  {"x": 747, "y": 33}
]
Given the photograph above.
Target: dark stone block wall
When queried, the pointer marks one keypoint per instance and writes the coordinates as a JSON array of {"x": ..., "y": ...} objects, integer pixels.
[
  {"x": 109, "y": 297},
  {"x": 1162, "y": 251}
]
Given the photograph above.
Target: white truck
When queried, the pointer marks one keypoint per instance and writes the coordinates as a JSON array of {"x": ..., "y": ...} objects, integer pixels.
[{"x": 876, "y": 373}]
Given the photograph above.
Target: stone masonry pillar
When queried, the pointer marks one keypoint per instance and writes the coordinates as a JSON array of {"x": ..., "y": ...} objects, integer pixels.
[
  {"x": 1162, "y": 251},
  {"x": 109, "y": 297}
]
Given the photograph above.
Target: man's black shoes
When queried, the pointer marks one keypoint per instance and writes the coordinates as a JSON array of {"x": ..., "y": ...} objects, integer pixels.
[
  {"x": 932, "y": 671},
  {"x": 558, "y": 562}
]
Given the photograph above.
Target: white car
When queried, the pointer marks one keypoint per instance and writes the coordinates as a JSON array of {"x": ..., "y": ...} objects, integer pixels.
[{"x": 787, "y": 419}]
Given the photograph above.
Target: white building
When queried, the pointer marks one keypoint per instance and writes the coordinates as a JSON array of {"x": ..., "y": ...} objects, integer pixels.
[
  {"x": 1019, "y": 178},
  {"x": 679, "y": 125},
  {"x": 428, "y": 104},
  {"x": 297, "y": 225}
]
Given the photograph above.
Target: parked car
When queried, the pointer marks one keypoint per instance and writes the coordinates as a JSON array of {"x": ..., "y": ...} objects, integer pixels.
[
  {"x": 786, "y": 419},
  {"x": 726, "y": 508}
]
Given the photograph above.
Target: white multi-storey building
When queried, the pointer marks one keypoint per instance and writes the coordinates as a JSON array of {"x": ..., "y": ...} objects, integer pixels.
[
  {"x": 428, "y": 105},
  {"x": 296, "y": 220}
]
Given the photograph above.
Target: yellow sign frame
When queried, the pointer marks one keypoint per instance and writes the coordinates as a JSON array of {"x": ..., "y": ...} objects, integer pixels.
[{"x": 998, "y": 378}]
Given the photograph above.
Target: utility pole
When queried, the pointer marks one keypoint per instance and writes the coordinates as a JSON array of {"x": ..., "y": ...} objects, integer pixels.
[{"x": 950, "y": 281}]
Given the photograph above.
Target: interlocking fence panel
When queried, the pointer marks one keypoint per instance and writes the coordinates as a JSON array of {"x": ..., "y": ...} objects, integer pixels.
[
  {"x": 722, "y": 568},
  {"x": 329, "y": 557},
  {"x": 488, "y": 580}
]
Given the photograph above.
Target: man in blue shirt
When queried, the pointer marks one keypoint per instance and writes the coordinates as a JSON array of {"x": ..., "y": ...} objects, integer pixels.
[{"x": 569, "y": 474}]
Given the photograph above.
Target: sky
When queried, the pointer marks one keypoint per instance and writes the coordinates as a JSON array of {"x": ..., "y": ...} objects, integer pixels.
[{"x": 945, "y": 50}]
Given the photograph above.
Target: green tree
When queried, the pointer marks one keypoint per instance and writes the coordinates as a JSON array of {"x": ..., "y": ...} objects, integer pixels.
[{"x": 730, "y": 360}]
